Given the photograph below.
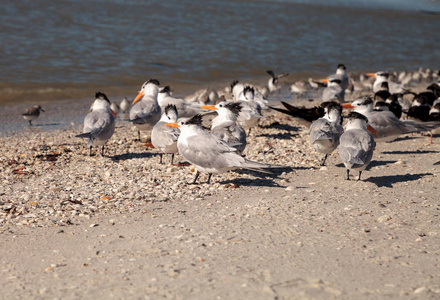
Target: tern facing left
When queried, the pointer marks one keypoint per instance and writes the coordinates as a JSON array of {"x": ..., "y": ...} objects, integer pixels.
[
  {"x": 356, "y": 144},
  {"x": 163, "y": 137},
  {"x": 99, "y": 124},
  {"x": 208, "y": 153}
]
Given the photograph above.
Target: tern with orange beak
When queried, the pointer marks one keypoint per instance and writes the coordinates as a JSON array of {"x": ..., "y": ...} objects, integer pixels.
[
  {"x": 224, "y": 125},
  {"x": 164, "y": 137},
  {"x": 341, "y": 74},
  {"x": 99, "y": 124},
  {"x": 208, "y": 153},
  {"x": 356, "y": 144},
  {"x": 333, "y": 91},
  {"x": 145, "y": 111},
  {"x": 387, "y": 126},
  {"x": 394, "y": 88}
]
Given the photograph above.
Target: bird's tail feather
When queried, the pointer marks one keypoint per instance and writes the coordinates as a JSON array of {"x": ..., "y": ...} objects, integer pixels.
[{"x": 84, "y": 135}]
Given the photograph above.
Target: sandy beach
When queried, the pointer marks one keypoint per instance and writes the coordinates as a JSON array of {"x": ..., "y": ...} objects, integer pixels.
[{"x": 123, "y": 226}]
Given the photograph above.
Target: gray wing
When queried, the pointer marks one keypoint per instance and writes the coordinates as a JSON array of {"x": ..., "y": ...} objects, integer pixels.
[
  {"x": 233, "y": 134},
  {"x": 162, "y": 136},
  {"x": 208, "y": 151},
  {"x": 333, "y": 92},
  {"x": 100, "y": 124},
  {"x": 356, "y": 147},
  {"x": 144, "y": 111}
]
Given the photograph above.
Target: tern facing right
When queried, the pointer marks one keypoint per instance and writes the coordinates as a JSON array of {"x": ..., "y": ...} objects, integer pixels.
[
  {"x": 326, "y": 131},
  {"x": 356, "y": 144},
  {"x": 208, "y": 153},
  {"x": 99, "y": 124}
]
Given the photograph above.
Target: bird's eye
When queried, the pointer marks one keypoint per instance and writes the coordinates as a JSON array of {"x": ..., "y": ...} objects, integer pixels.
[{"x": 221, "y": 105}]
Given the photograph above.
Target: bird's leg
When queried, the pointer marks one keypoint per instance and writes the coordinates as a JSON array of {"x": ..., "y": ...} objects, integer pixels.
[
  {"x": 172, "y": 158},
  {"x": 30, "y": 123},
  {"x": 323, "y": 161},
  {"x": 249, "y": 132},
  {"x": 195, "y": 178},
  {"x": 348, "y": 174},
  {"x": 161, "y": 154},
  {"x": 102, "y": 150},
  {"x": 431, "y": 136},
  {"x": 139, "y": 135},
  {"x": 90, "y": 150},
  {"x": 360, "y": 172},
  {"x": 209, "y": 178}
]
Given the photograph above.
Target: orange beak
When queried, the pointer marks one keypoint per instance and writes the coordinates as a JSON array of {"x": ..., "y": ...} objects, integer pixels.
[
  {"x": 113, "y": 113},
  {"x": 174, "y": 125},
  {"x": 371, "y": 74},
  {"x": 210, "y": 107},
  {"x": 138, "y": 97},
  {"x": 324, "y": 80},
  {"x": 348, "y": 105},
  {"x": 371, "y": 129}
]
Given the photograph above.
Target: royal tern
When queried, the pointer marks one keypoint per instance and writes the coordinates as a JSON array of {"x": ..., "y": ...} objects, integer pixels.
[
  {"x": 250, "y": 112},
  {"x": 333, "y": 91},
  {"x": 145, "y": 111},
  {"x": 272, "y": 84},
  {"x": 164, "y": 137},
  {"x": 237, "y": 90},
  {"x": 208, "y": 153},
  {"x": 384, "y": 77},
  {"x": 125, "y": 105},
  {"x": 356, "y": 144},
  {"x": 225, "y": 124},
  {"x": 185, "y": 109},
  {"x": 387, "y": 126},
  {"x": 341, "y": 74},
  {"x": 99, "y": 124},
  {"x": 32, "y": 113},
  {"x": 326, "y": 131}
]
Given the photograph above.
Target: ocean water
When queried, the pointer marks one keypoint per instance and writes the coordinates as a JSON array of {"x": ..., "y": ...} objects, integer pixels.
[{"x": 69, "y": 49}]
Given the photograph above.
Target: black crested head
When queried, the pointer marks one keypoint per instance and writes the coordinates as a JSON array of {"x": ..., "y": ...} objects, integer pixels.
[
  {"x": 170, "y": 107},
  {"x": 235, "y": 107},
  {"x": 342, "y": 66},
  {"x": 421, "y": 99},
  {"x": 165, "y": 89},
  {"x": 392, "y": 97},
  {"x": 196, "y": 120},
  {"x": 234, "y": 83},
  {"x": 153, "y": 81},
  {"x": 248, "y": 89},
  {"x": 338, "y": 81},
  {"x": 271, "y": 73},
  {"x": 355, "y": 115},
  {"x": 367, "y": 100},
  {"x": 329, "y": 105},
  {"x": 385, "y": 74},
  {"x": 101, "y": 96}
]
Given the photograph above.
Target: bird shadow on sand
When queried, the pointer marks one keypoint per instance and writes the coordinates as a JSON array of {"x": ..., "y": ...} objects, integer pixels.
[
  {"x": 126, "y": 156},
  {"x": 264, "y": 179},
  {"x": 388, "y": 181},
  {"x": 277, "y": 125},
  {"x": 374, "y": 163},
  {"x": 411, "y": 152},
  {"x": 46, "y": 124}
]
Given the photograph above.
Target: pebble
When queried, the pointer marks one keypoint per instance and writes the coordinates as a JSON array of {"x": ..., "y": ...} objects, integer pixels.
[{"x": 384, "y": 218}]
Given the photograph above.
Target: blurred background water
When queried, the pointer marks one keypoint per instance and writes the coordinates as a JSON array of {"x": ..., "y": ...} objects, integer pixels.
[{"x": 53, "y": 50}]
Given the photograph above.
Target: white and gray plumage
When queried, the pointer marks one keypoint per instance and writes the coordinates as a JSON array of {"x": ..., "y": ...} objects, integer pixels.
[
  {"x": 356, "y": 144},
  {"x": 237, "y": 90},
  {"x": 32, "y": 113},
  {"x": 272, "y": 84},
  {"x": 341, "y": 74},
  {"x": 380, "y": 77},
  {"x": 163, "y": 137},
  {"x": 125, "y": 105},
  {"x": 326, "y": 131},
  {"x": 115, "y": 107},
  {"x": 386, "y": 124},
  {"x": 250, "y": 112},
  {"x": 333, "y": 91},
  {"x": 99, "y": 124},
  {"x": 145, "y": 111},
  {"x": 225, "y": 124},
  {"x": 185, "y": 109},
  {"x": 208, "y": 153}
]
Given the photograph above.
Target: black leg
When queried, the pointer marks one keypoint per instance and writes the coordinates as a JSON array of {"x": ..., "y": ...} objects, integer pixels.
[
  {"x": 249, "y": 132},
  {"x": 360, "y": 172},
  {"x": 30, "y": 123},
  {"x": 348, "y": 174},
  {"x": 139, "y": 135},
  {"x": 209, "y": 178},
  {"x": 90, "y": 150},
  {"x": 195, "y": 179},
  {"x": 172, "y": 158},
  {"x": 323, "y": 161},
  {"x": 102, "y": 150},
  {"x": 161, "y": 154}
]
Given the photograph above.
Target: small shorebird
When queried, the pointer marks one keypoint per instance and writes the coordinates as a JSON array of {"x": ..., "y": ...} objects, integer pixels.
[
  {"x": 125, "y": 105},
  {"x": 164, "y": 137},
  {"x": 145, "y": 111},
  {"x": 32, "y": 113},
  {"x": 208, "y": 153},
  {"x": 99, "y": 124},
  {"x": 356, "y": 144}
]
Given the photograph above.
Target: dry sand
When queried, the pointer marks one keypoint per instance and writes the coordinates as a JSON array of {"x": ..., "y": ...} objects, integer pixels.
[{"x": 125, "y": 227}]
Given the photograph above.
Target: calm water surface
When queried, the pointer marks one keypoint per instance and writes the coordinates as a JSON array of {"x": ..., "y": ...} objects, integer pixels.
[{"x": 53, "y": 50}]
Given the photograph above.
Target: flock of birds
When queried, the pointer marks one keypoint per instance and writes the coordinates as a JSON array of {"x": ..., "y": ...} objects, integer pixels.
[{"x": 175, "y": 125}]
